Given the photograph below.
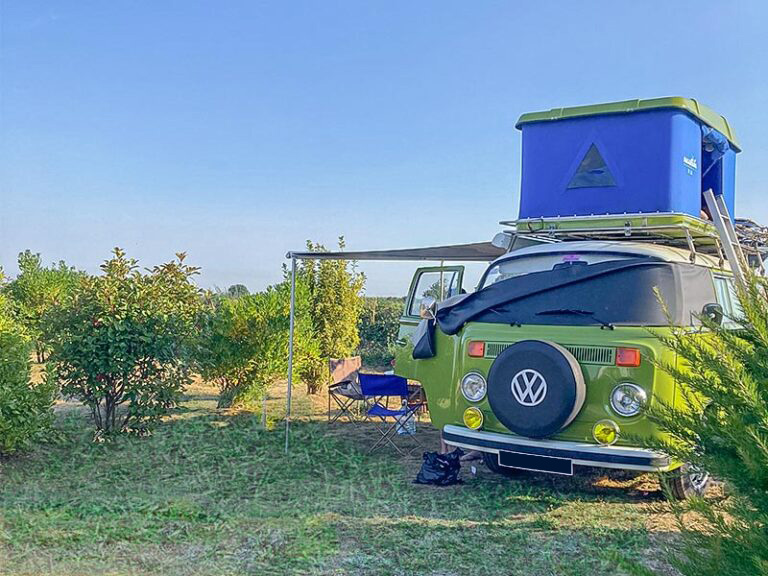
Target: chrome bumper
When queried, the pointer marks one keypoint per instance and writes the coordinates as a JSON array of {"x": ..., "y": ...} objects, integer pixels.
[{"x": 581, "y": 453}]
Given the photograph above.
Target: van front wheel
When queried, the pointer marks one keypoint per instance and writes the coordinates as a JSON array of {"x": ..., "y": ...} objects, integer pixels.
[
  {"x": 491, "y": 462},
  {"x": 686, "y": 482}
]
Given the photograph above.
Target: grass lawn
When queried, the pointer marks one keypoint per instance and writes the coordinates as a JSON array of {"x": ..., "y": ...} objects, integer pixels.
[{"x": 211, "y": 492}]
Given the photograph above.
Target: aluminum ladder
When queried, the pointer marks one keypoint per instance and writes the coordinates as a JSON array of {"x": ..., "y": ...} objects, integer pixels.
[{"x": 721, "y": 218}]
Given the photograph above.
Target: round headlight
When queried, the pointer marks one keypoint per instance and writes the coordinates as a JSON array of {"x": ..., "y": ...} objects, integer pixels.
[
  {"x": 473, "y": 387},
  {"x": 627, "y": 399}
]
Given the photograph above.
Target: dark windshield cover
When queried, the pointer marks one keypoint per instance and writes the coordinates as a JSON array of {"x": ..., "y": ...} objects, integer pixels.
[{"x": 616, "y": 292}]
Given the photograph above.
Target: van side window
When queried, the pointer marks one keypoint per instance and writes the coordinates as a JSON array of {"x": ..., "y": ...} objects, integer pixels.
[
  {"x": 738, "y": 311},
  {"x": 723, "y": 294},
  {"x": 727, "y": 297},
  {"x": 436, "y": 284}
]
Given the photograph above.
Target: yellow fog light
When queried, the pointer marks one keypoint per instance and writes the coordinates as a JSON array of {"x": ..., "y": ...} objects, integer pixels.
[
  {"x": 473, "y": 418},
  {"x": 606, "y": 432}
]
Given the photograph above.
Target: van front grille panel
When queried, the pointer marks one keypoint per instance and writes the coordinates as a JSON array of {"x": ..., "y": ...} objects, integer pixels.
[{"x": 602, "y": 355}]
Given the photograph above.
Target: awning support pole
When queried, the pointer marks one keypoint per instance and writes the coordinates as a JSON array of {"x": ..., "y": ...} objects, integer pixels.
[{"x": 290, "y": 352}]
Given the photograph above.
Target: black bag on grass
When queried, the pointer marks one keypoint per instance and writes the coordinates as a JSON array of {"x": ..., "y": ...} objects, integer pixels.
[{"x": 440, "y": 469}]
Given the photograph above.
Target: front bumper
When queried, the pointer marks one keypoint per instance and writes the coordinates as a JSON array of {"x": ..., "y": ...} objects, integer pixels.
[{"x": 581, "y": 453}]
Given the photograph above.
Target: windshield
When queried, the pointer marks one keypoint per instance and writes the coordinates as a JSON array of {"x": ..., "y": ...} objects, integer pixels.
[
  {"x": 616, "y": 290},
  {"x": 540, "y": 262}
]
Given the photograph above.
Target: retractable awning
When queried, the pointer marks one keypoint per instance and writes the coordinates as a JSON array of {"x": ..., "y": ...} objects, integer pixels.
[{"x": 473, "y": 252}]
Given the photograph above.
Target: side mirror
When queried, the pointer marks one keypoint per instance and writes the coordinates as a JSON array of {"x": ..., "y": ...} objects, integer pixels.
[
  {"x": 428, "y": 308},
  {"x": 714, "y": 312}
]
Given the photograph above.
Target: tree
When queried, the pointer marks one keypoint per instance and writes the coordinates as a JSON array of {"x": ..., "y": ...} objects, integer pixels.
[
  {"x": 334, "y": 290},
  {"x": 244, "y": 344},
  {"x": 378, "y": 328},
  {"x": 123, "y": 343},
  {"x": 26, "y": 414},
  {"x": 38, "y": 289},
  {"x": 237, "y": 290},
  {"x": 721, "y": 426}
]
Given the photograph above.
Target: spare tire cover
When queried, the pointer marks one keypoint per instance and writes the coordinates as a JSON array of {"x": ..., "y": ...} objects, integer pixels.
[{"x": 536, "y": 388}]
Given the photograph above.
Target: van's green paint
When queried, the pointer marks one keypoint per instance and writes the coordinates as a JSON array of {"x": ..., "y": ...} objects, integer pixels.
[{"x": 440, "y": 376}]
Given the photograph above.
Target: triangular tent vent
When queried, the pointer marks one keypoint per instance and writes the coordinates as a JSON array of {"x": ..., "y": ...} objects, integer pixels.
[{"x": 593, "y": 172}]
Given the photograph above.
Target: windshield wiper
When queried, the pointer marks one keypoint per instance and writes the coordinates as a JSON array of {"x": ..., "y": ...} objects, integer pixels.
[
  {"x": 576, "y": 312},
  {"x": 514, "y": 323}
]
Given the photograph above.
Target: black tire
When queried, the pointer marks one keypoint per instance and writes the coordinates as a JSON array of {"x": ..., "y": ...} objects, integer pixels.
[
  {"x": 685, "y": 483},
  {"x": 491, "y": 462},
  {"x": 536, "y": 388}
]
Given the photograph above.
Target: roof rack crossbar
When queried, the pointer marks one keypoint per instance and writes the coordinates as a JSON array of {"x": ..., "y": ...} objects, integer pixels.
[{"x": 699, "y": 238}]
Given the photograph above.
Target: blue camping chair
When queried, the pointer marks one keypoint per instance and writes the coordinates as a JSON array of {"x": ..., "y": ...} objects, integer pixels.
[{"x": 377, "y": 388}]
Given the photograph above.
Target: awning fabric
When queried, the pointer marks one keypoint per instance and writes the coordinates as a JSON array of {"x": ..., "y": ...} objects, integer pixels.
[
  {"x": 475, "y": 252},
  {"x": 479, "y": 251}
]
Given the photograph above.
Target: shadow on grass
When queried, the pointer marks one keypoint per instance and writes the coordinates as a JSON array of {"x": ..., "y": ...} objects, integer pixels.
[{"x": 213, "y": 492}]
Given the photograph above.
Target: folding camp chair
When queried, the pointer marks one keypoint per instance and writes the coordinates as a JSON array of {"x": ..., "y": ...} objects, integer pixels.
[
  {"x": 380, "y": 386},
  {"x": 345, "y": 389}
]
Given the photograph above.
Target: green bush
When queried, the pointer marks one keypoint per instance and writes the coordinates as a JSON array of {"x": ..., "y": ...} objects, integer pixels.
[
  {"x": 237, "y": 290},
  {"x": 725, "y": 433},
  {"x": 38, "y": 289},
  {"x": 245, "y": 342},
  {"x": 334, "y": 289},
  {"x": 124, "y": 343},
  {"x": 378, "y": 328},
  {"x": 309, "y": 364},
  {"x": 26, "y": 411}
]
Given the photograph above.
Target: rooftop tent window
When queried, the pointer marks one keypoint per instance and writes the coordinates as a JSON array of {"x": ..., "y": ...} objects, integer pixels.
[
  {"x": 592, "y": 172},
  {"x": 714, "y": 146}
]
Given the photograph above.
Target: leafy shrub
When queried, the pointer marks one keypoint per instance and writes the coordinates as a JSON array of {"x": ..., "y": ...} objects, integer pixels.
[
  {"x": 237, "y": 290},
  {"x": 25, "y": 408},
  {"x": 36, "y": 290},
  {"x": 334, "y": 289},
  {"x": 123, "y": 343},
  {"x": 245, "y": 344},
  {"x": 378, "y": 327},
  {"x": 725, "y": 433},
  {"x": 309, "y": 364}
]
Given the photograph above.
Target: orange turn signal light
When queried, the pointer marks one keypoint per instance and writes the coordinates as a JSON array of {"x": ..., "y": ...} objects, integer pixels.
[
  {"x": 629, "y": 357},
  {"x": 476, "y": 349}
]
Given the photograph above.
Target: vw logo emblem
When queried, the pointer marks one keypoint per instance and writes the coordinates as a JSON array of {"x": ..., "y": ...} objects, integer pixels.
[{"x": 529, "y": 387}]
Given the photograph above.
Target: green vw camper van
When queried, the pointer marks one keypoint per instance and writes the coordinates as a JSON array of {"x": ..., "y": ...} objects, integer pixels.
[{"x": 549, "y": 364}]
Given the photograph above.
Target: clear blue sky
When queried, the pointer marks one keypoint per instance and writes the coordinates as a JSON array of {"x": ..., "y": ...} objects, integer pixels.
[{"x": 236, "y": 130}]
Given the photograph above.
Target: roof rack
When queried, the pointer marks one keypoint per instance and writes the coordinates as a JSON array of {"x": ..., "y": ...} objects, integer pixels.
[{"x": 668, "y": 229}]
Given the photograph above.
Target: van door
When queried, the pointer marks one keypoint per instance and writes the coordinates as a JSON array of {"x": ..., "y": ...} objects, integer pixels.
[{"x": 439, "y": 282}]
